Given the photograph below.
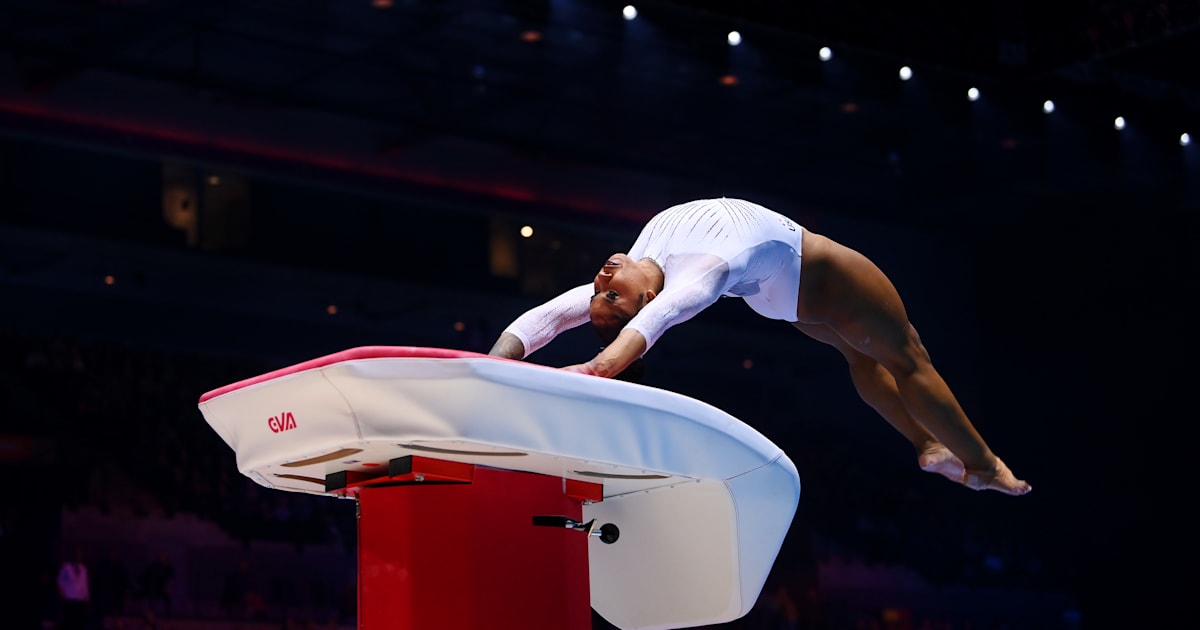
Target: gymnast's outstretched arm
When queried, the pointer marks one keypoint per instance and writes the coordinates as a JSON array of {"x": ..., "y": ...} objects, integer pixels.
[{"x": 541, "y": 324}]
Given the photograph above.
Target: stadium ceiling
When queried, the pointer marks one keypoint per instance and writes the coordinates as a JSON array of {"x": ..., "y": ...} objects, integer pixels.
[{"x": 568, "y": 106}]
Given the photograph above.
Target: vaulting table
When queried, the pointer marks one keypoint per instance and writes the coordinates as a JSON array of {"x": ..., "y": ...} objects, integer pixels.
[{"x": 509, "y": 495}]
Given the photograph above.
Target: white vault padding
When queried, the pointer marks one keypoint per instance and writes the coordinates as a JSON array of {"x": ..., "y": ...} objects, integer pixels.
[{"x": 703, "y": 501}]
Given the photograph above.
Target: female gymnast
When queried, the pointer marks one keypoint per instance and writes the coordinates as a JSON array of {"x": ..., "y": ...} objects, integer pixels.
[{"x": 690, "y": 255}]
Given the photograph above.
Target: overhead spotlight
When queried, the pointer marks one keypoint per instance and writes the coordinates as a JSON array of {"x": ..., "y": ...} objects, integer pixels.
[
  {"x": 905, "y": 73},
  {"x": 973, "y": 94},
  {"x": 630, "y": 12},
  {"x": 825, "y": 54},
  {"x": 526, "y": 231},
  {"x": 1119, "y": 123},
  {"x": 1048, "y": 106},
  {"x": 1185, "y": 139},
  {"x": 734, "y": 38}
]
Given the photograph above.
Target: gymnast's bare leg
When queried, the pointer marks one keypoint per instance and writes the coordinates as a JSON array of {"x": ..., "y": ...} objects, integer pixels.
[
  {"x": 850, "y": 295},
  {"x": 877, "y": 388}
]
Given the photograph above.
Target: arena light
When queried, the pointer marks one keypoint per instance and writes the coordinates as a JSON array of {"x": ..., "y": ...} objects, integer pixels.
[
  {"x": 1185, "y": 139},
  {"x": 825, "y": 53},
  {"x": 1119, "y": 123},
  {"x": 629, "y": 12},
  {"x": 734, "y": 38},
  {"x": 1048, "y": 106},
  {"x": 905, "y": 73},
  {"x": 973, "y": 94}
]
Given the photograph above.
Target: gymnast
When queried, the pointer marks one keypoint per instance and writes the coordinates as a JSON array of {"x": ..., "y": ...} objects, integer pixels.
[{"x": 690, "y": 255}]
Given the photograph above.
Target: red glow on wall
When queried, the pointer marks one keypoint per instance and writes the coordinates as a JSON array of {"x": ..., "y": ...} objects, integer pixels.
[{"x": 324, "y": 161}]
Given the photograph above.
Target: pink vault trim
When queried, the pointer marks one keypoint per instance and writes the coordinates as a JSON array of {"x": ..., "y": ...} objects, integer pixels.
[{"x": 353, "y": 354}]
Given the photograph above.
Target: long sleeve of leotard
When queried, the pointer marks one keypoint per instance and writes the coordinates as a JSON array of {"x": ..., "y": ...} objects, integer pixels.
[
  {"x": 540, "y": 324},
  {"x": 680, "y": 302}
]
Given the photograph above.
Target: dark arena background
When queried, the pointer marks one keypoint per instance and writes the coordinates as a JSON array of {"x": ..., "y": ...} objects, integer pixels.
[{"x": 194, "y": 193}]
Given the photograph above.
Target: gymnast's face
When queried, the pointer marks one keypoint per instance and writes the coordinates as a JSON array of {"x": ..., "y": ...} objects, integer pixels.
[{"x": 621, "y": 288}]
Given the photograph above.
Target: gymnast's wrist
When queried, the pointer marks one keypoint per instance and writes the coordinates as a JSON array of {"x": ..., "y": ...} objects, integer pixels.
[
  {"x": 604, "y": 367},
  {"x": 508, "y": 346}
]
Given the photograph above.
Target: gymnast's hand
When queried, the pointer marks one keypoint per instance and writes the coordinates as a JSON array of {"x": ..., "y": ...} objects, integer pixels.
[
  {"x": 580, "y": 368},
  {"x": 614, "y": 358}
]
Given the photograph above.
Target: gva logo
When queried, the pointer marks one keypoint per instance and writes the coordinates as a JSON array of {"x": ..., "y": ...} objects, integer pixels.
[{"x": 283, "y": 422}]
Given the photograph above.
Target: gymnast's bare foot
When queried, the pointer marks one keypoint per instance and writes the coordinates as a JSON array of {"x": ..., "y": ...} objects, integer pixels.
[
  {"x": 936, "y": 458},
  {"x": 999, "y": 478}
]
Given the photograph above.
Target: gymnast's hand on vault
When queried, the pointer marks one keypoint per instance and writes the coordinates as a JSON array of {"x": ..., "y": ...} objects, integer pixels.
[{"x": 580, "y": 368}]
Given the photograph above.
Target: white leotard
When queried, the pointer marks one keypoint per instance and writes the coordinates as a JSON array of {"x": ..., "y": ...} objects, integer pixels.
[{"x": 707, "y": 249}]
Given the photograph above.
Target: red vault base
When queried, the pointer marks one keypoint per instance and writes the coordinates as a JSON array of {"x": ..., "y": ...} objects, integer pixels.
[{"x": 457, "y": 555}]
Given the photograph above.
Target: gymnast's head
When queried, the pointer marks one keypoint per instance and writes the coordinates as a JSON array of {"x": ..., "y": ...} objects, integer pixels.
[{"x": 623, "y": 286}]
